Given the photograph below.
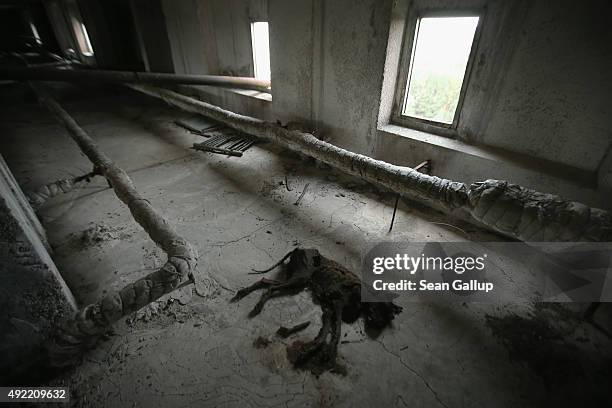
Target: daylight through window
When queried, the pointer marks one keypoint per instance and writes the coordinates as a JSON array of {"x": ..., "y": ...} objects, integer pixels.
[
  {"x": 86, "y": 47},
  {"x": 439, "y": 59},
  {"x": 82, "y": 36},
  {"x": 261, "y": 49}
]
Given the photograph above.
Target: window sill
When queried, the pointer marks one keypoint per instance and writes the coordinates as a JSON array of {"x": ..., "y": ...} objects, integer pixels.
[
  {"x": 512, "y": 161},
  {"x": 264, "y": 96},
  {"x": 247, "y": 102}
]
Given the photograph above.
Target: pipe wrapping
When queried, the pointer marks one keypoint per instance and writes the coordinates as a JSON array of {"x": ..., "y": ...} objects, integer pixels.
[
  {"x": 41, "y": 195},
  {"x": 94, "y": 320},
  {"x": 510, "y": 209},
  {"x": 532, "y": 216}
]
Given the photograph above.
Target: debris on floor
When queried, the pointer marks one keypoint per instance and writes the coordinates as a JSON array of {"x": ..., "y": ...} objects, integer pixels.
[
  {"x": 285, "y": 332},
  {"x": 220, "y": 138},
  {"x": 226, "y": 141},
  {"x": 97, "y": 234},
  {"x": 163, "y": 313}
]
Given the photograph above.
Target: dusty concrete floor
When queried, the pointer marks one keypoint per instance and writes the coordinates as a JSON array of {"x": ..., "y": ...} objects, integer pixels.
[{"x": 238, "y": 212}]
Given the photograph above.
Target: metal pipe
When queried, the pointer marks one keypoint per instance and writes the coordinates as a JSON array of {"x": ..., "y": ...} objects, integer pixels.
[
  {"x": 95, "y": 319},
  {"x": 95, "y": 76},
  {"x": 509, "y": 209}
]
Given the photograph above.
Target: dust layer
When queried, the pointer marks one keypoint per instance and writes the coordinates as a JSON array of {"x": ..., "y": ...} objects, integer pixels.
[{"x": 574, "y": 369}]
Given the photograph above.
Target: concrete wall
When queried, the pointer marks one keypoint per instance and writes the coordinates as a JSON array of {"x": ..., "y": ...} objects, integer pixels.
[
  {"x": 554, "y": 101},
  {"x": 191, "y": 36},
  {"x": 213, "y": 36},
  {"x": 33, "y": 296},
  {"x": 152, "y": 34},
  {"x": 112, "y": 32},
  {"x": 535, "y": 111},
  {"x": 353, "y": 43},
  {"x": 292, "y": 58}
]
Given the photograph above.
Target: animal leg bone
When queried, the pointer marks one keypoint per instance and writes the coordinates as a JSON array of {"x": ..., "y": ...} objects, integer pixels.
[
  {"x": 298, "y": 353},
  {"x": 260, "y": 284},
  {"x": 336, "y": 332},
  {"x": 275, "y": 290}
]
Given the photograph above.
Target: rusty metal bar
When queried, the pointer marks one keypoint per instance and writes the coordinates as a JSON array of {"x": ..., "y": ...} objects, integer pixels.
[{"x": 425, "y": 166}]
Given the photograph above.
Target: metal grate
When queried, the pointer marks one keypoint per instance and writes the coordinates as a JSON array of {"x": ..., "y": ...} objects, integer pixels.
[{"x": 220, "y": 139}]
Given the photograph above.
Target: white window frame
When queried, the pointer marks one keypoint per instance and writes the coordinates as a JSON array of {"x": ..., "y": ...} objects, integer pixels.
[{"x": 405, "y": 66}]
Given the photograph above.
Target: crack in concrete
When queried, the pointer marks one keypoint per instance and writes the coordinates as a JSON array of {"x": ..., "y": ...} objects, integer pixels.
[
  {"x": 233, "y": 241},
  {"x": 412, "y": 370}
]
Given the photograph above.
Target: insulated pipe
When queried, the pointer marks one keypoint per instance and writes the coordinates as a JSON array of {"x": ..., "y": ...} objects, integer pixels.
[
  {"x": 510, "y": 209},
  {"x": 42, "y": 194},
  {"x": 95, "y": 319},
  {"x": 95, "y": 76}
]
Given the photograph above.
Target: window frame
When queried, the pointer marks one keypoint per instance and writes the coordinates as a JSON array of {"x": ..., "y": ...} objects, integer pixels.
[
  {"x": 82, "y": 37},
  {"x": 405, "y": 70},
  {"x": 81, "y": 40}
]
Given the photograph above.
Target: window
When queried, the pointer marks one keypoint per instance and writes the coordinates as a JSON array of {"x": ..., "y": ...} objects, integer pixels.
[
  {"x": 35, "y": 34},
  {"x": 84, "y": 43},
  {"x": 78, "y": 27},
  {"x": 261, "y": 49},
  {"x": 80, "y": 32},
  {"x": 435, "y": 68}
]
